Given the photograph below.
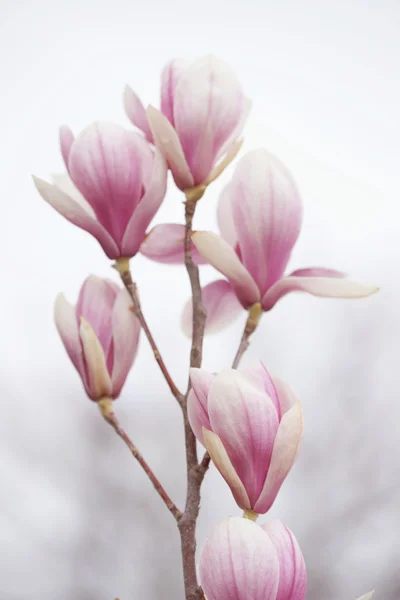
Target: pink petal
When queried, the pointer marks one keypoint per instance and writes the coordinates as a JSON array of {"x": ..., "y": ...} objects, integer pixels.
[
  {"x": 317, "y": 272},
  {"x": 125, "y": 333},
  {"x": 224, "y": 163},
  {"x": 169, "y": 79},
  {"x": 238, "y": 562},
  {"x": 286, "y": 396},
  {"x": 221, "y": 304},
  {"x": 260, "y": 377},
  {"x": 246, "y": 421},
  {"x": 208, "y": 106},
  {"x": 95, "y": 303},
  {"x": 292, "y": 568},
  {"x": 267, "y": 213},
  {"x": 223, "y": 463},
  {"x": 147, "y": 207},
  {"x": 64, "y": 183},
  {"x": 223, "y": 258},
  {"x": 284, "y": 453},
  {"x": 73, "y": 212},
  {"x": 136, "y": 112},
  {"x": 164, "y": 243},
  {"x": 98, "y": 378},
  {"x": 67, "y": 326},
  {"x": 109, "y": 165},
  {"x": 237, "y": 132},
  {"x": 197, "y": 401},
  {"x": 67, "y": 138},
  {"x": 326, "y": 287},
  {"x": 167, "y": 141},
  {"x": 225, "y": 220}
]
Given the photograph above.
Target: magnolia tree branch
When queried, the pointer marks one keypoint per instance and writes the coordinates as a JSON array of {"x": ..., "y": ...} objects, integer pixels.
[
  {"x": 122, "y": 266},
  {"x": 253, "y": 319},
  {"x": 106, "y": 409},
  {"x": 195, "y": 471}
]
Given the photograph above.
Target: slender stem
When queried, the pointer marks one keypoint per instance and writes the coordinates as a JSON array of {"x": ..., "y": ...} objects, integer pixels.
[
  {"x": 195, "y": 471},
  {"x": 106, "y": 409},
  {"x": 122, "y": 266},
  {"x": 253, "y": 319}
]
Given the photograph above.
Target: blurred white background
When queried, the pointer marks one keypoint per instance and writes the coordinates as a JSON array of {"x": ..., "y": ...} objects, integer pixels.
[{"x": 78, "y": 519}]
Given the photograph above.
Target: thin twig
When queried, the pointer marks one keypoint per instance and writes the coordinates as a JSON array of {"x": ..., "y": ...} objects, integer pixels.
[
  {"x": 253, "y": 319},
  {"x": 107, "y": 411},
  {"x": 122, "y": 266}
]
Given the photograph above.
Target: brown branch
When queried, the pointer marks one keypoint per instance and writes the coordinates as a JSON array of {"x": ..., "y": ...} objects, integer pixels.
[
  {"x": 195, "y": 471},
  {"x": 107, "y": 410},
  {"x": 122, "y": 266},
  {"x": 253, "y": 319}
]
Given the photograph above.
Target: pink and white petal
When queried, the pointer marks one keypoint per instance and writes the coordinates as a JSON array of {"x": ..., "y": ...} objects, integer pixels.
[
  {"x": 64, "y": 182},
  {"x": 67, "y": 138},
  {"x": 146, "y": 209},
  {"x": 223, "y": 463},
  {"x": 208, "y": 106},
  {"x": 108, "y": 164},
  {"x": 98, "y": 379},
  {"x": 239, "y": 562},
  {"x": 164, "y": 244},
  {"x": 317, "y": 272},
  {"x": 225, "y": 220},
  {"x": 126, "y": 333},
  {"x": 220, "y": 167},
  {"x": 260, "y": 377},
  {"x": 197, "y": 401},
  {"x": 167, "y": 141},
  {"x": 292, "y": 567},
  {"x": 76, "y": 214},
  {"x": 325, "y": 287},
  {"x": 221, "y": 304},
  {"x": 169, "y": 79},
  {"x": 267, "y": 213},
  {"x": 286, "y": 447},
  {"x": 286, "y": 396},
  {"x": 222, "y": 257},
  {"x": 95, "y": 303},
  {"x": 67, "y": 326},
  {"x": 246, "y": 421},
  {"x": 136, "y": 112},
  {"x": 226, "y": 148}
]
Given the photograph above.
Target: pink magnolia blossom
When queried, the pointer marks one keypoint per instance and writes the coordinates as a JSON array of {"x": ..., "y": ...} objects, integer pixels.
[
  {"x": 243, "y": 561},
  {"x": 251, "y": 426},
  {"x": 114, "y": 187},
  {"x": 100, "y": 335},
  {"x": 259, "y": 217},
  {"x": 203, "y": 111}
]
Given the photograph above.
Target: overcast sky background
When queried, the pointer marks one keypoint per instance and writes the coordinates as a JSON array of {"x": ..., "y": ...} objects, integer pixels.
[{"x": 78, "y": 520}]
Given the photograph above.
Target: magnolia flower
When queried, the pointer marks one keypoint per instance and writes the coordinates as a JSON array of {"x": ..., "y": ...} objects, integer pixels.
[
  {"x": 251, "y": 426},
  {"x": 259, "y": 217},
  {"x": 100, "y": 335},
  {"x": 203, "y": 111},
  {"x": 244, "y": 561},
  {"x": 114, "y": 187}
]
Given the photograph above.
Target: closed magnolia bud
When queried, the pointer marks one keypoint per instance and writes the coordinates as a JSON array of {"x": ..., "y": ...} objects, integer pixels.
[
  {"x": 251, "y": 426},
  {"x": 203, "y": 111},
  {"x": 114, "y": 186},
  {"x": 100, "y": 335},
  {"x": 243, "y": 561}
]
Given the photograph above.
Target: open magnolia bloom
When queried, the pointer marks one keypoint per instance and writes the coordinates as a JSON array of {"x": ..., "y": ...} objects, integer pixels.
[
  {"x": 100, "y": 334},
  {"x": 244, "y": 561},
  {"x": 259, "y": 217},
  {"x": 251, "y": 425},
  {"x": 114, "y": 186},
  {"x": 202, "y": 114}
]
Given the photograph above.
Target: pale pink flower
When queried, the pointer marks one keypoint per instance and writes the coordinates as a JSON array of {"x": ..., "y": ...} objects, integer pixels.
[
  {"x": 251, "y": 426},
  {"x": 100, "y": 335},
  {"x": 114, "y": 187},
  {"x": 243, "y": 561},
  {"x": 259, "y": 217},
  {"x": 203, "y": 111}
]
